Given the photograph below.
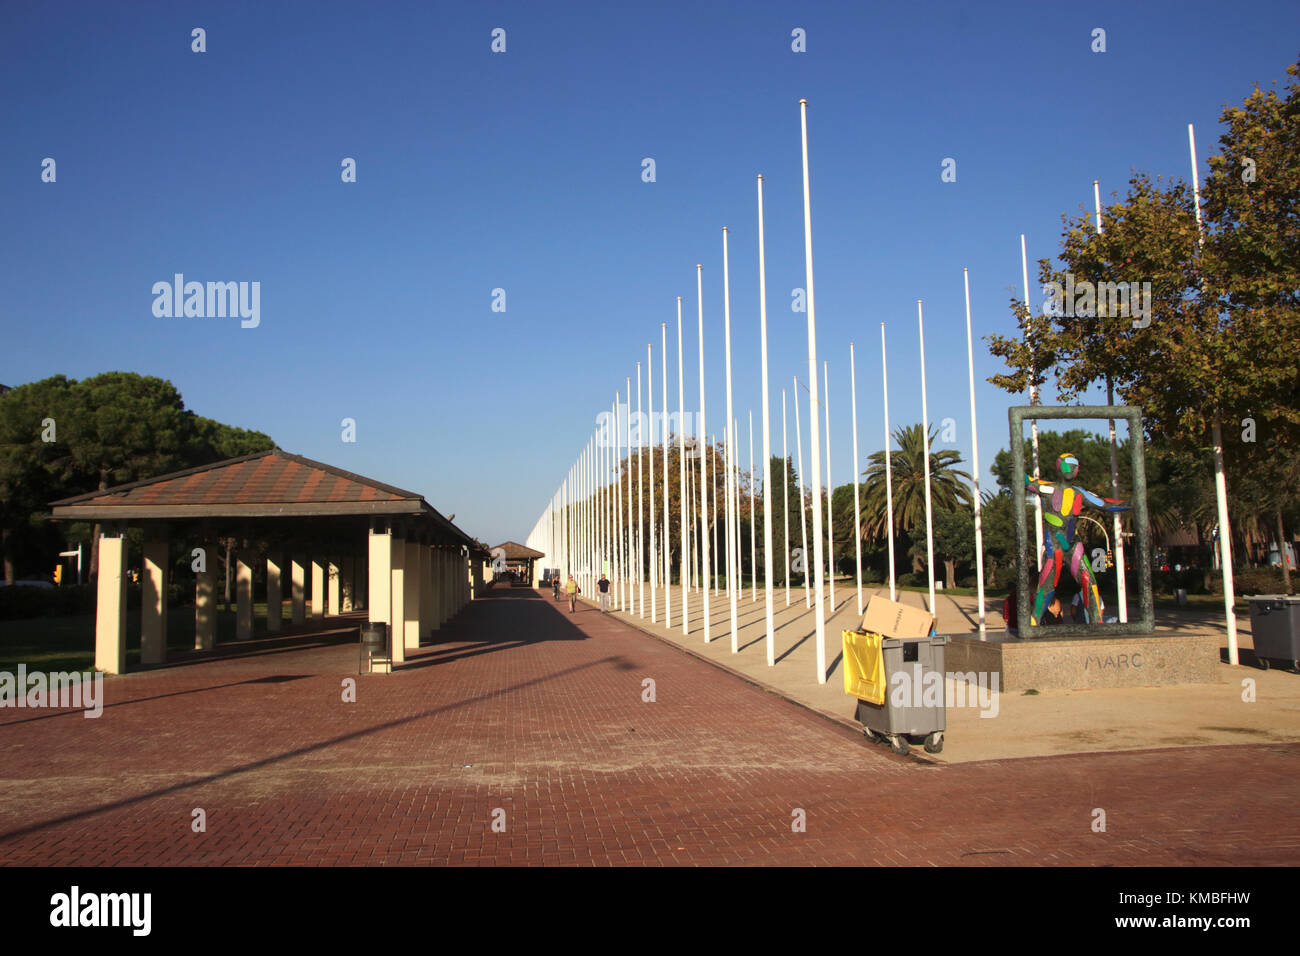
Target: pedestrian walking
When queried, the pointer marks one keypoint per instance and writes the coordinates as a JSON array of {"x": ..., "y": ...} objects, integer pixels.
[
  {"x": 603, "y": 584},
  {"x": 573, "y": 589}
]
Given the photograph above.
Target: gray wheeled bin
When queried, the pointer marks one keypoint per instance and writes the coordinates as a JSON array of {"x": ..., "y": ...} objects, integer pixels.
[
  {"x": 914, "y": 716},
  {"x": 1275, "y": 628},
  {"x": 374, "y": 646}
]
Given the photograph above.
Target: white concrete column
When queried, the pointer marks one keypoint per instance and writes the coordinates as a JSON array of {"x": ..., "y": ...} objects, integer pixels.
[
  {"x": 414, "y": 588},
  {"x": 398, "y": 591},
  {"x": 435, "y": 588},
  {"x": 274, "y": 592},
  {"x": 298, "y": 570},
  {"x": 317, "y": 589},
  {"x": 448, "y": 598},
  {"x": 205, "y": 603},
  {"x": 110, "y": 605},
  {"x": 332, "y": 588},
  {"x": 243, "y": 595},
  {"x": 379, "y": 563},
  {"x": 426, "y": 590},
  {"x": 348, "y": 585},
  {"x": 153, "y": 600}
]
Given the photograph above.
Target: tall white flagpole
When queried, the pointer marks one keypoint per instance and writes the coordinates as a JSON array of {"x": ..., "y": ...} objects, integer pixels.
[
  {"x": 640, "y": 487},
  {"x": 650, "y": 402},
  {"x": 667, "y": 551},
  {"x": 704, "y": 459},
  {"x": 889, "y": 468},
  {"x": 1121, "y": 585},
  {"x": 716, "y": 549},
  {"x": 813, "y": 409},
  {"x": 803, "y": 518},
  {"x": 631, "y": 535},
  {"x": 767, "y": 448},
  {"x": 857, "y": 505},
  {"x": 753, "y": 500},
  {"x": 1220, "y": 478},
  {"x": 1033, "y": 400},
  {"x": 830, "y": 487},
  {"x": 925, "y": 444},
  {"x": 785, "y": 492},
  {"x": 729, "y": 436},
  {"x": 620, "y": 570},
  {"x": 975, "y": 461},
  {"x": 681, "y": 469}
]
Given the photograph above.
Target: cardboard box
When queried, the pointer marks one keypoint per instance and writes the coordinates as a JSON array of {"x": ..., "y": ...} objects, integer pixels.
[{"x": 895, "y": 620}]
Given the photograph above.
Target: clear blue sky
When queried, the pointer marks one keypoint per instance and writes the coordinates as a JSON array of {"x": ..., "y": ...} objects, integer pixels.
[{"x": 522, "y": 171}]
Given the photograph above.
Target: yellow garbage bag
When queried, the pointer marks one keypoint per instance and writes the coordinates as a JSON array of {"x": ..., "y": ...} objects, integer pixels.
[{"x": 864, "y": 666}]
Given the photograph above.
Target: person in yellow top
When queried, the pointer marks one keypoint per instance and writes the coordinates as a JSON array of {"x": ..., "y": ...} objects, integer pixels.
[{"x": 572, "y": 590}]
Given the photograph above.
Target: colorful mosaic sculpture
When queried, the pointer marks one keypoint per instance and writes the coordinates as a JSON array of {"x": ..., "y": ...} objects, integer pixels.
[{"x": 1062, "y": 503}]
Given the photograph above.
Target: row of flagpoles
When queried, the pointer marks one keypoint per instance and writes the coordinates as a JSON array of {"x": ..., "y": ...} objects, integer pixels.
[{"x": 587, "y": 528}]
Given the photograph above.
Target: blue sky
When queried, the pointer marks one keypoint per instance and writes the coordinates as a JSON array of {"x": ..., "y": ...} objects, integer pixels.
[{"x": 522, "y": 171}]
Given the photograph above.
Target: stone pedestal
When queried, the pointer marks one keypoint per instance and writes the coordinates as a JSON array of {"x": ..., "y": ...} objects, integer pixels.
[{"x": 1083, "y": 663}]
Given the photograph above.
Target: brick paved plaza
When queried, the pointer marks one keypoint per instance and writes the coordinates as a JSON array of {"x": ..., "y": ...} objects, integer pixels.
[{"x": 525, "y": 709}]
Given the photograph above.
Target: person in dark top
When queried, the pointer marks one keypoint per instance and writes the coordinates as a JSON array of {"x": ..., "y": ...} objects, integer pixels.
[
  {"x": 1011, "y": 610},
  {"x": 1053, "y": 613},
  {"x": 603, "y": 584}
]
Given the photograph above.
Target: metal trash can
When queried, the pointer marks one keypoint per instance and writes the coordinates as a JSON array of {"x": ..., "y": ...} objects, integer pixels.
[
  {"x": 910, "y": 708},
  {"x": 1275, "y": 628},
  {"x": 374, "y": 645}
]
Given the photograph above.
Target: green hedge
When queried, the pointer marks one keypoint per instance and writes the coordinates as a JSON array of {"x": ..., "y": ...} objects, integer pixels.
[{"x": 21, "y": 602}]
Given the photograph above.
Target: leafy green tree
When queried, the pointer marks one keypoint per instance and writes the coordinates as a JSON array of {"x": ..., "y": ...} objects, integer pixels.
[
  {"x": 947, "y": 486},
  {"x": 954, "y": 539}
]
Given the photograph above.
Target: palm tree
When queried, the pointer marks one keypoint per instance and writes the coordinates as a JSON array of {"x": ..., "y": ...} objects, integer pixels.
[{"x": 947, "y": 488}]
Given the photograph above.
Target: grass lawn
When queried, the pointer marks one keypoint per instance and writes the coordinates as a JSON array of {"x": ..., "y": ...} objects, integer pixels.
[{"x": 68, "y": 643}]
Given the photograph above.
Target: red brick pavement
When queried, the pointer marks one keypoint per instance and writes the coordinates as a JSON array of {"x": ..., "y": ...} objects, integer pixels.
[{"x": 523, "y": 708}]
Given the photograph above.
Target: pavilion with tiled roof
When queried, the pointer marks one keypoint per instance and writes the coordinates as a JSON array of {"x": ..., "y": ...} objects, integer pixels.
[
  {"x": 365, "y": 544},
  {"x": 511, "y": 556}
]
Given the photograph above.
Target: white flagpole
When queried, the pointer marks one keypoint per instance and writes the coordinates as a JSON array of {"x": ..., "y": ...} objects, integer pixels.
[
  {"x": 618, "y": 503},
  {"x": 704, "y": 472},
  {"x": 667, "y": 551},
  {"x": 1220, "y": 478},
  {"x": 889, "y": 469},
  {"x": 767, "y": 449},
  {"x": 857, "y": 506},
  {"x": 640, "y": 487},
  {"x": 785, "y": 500},
  {"x": 753, "y": 499},
  {"x": 1033, "y": 423},
  {"x": 925, "y": 444},
  {"x": 650, "y": 402},
  {"x": 631, "y": 564},
  {"x": 681, "y": 467},
  {"x": 803, "y": 518},
  {"x": 975, "y": 461},
  {"x": 814, "y": 411},
  {"x": 1121, "y": 586},
  {"x": 830, "y": 487},
  {"x": 716, "y": 548},
  {"x": 729, "y": 486}
]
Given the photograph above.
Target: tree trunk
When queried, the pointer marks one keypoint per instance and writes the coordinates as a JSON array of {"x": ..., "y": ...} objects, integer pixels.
[
  {"x": 9, "y": 558},
  {"x": 1281, "y": 550},
  {"x": 96, "y": 530},
  {"x": 950, "y": 569}
]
